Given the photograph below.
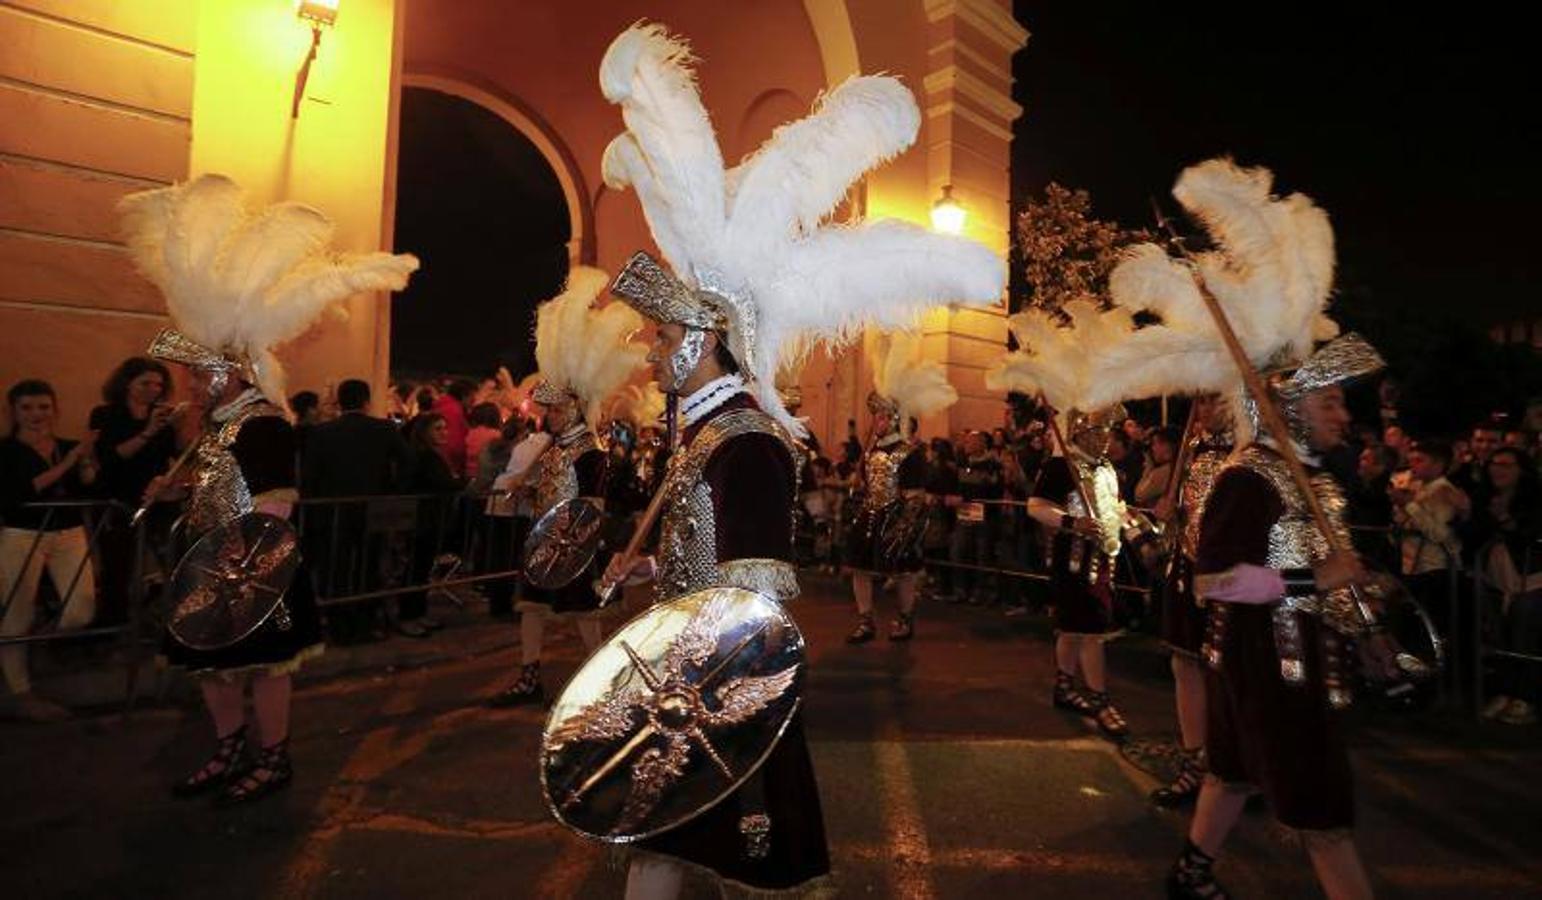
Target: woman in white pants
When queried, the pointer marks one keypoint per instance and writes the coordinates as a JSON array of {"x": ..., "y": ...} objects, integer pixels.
[{"x": 38, "y": 467}]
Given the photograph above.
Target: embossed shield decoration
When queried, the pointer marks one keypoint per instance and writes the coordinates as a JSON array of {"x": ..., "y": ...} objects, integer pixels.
[
  {"x": 562, "y": 544},
  {"x": 232, "y": 581},
  {"x": 671, "y": 714},
  {"x": 900, "y": 529}
]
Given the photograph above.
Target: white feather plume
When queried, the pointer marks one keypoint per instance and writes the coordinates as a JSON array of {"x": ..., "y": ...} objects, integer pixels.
[
  {"x": 241, "y": 283},
  {"x": 901, "y": 373},
  {"x": 1063, "y": 362},
  {"x": 809, "y": 283},
  {"x": 806, "y": 167},
  {"x": 584, "y": 350},
  {"x": 1271, "y": 271}
]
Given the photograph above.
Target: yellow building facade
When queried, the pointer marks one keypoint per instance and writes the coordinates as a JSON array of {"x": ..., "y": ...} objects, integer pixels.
[{"x": 101, "y": 98}]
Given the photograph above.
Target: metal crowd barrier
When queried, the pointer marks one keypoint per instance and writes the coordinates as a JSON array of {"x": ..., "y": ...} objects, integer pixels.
[
  {"x": 372, "y": 547},
  {"x": 98, "y": 518},
  {"x": 1481, "y": 591}
]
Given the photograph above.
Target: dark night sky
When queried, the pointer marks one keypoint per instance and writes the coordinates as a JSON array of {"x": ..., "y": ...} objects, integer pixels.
[{"x": 1416, "y": 132}]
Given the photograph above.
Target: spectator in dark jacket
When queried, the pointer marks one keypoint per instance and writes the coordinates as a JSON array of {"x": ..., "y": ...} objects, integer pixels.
[{"x": 354, "y": 455}]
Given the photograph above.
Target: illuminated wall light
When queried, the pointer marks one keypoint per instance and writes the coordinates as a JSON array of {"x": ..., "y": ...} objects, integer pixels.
[
  {"x": 948, "y": 215},
  {"x": 320, "y": 14}
]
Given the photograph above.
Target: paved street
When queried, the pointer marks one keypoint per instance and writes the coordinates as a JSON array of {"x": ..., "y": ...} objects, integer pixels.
[{"x": 944, "y": 774}]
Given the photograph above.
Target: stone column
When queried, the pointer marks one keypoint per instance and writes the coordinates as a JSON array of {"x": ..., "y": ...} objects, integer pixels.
[{"x": 967, "y": 101}]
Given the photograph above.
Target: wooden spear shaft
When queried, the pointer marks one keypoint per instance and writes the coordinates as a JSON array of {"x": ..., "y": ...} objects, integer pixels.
[{"x": 1065, "y": 451}]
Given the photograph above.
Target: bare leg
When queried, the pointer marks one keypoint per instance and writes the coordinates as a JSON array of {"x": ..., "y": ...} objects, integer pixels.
[
  {"x": 1090, "y": 654},
  {"x": 1339, "y": 869},
  {"x": 907, "y": 594},
  {"x": 1189, "y": 679},
  {"x": 1215, "y": 814},
  {"x": 589, "y": 633},
  {"x": 532, "y": 631},
  {"x": 271, "y": 700},
  {"x": 862, "y": 589},
  {"x": 654, "y": 879},
  {"x": 1067, "y": 652},
  {"x": 225, "y": 700}
]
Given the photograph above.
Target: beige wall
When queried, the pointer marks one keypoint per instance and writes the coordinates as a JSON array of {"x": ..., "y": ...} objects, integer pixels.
[
  {"x": 333, "y": 156},
  {"x": 96, "y": 101},
  {"x": 101, "y": 98}
]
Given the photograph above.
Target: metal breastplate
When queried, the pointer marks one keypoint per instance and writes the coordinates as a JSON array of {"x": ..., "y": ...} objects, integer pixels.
[
  {"x": 1100, "y": 484},
  {"x": 558, "y": 479},
  {"x": 688, "y": 558},
  {"x": 220, "y": 492},
  {"x": 1295, "y": 542},
  {"x": 881, "y": 470},
  {"x": 1205, "y": 463}
]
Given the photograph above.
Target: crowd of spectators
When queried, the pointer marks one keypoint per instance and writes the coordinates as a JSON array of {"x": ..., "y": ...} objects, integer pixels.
[{"x": 412, "y": 487}]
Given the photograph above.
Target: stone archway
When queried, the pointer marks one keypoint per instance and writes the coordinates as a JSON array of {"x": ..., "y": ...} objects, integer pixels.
[{"x": 581, "y": 247}]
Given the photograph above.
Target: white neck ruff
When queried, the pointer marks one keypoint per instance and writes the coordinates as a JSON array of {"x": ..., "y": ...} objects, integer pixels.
[{"x": 710, "y": 396}]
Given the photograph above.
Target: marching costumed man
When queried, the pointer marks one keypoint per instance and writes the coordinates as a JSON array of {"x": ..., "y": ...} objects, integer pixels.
[
  {"x": 752, "y": 273},
  {"x": 1274, "y": 648},
  {"x": 584, "y": 356},
  {"x": 1183, "y": 617},
  {"x": 880, "y": 545},
  {"x": 237, "y": 285},
  {"x": 1268, "y": 564},
  {"x": 1076, "y": 498}
]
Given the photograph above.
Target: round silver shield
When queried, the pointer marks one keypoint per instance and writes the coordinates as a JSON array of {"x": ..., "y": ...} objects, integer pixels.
[
  {"x": 562, "y": 544},
  {"x": 901, "y": 526},
  {"x": 1404, "y": 656},
  {"x": 671, "y": 714},
  {"x": 232, "y": 581}
]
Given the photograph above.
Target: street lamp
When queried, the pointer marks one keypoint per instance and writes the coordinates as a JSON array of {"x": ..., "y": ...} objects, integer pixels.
[
  {"x": 948, "y": 215},
  {"x": 320, "y": 14}
]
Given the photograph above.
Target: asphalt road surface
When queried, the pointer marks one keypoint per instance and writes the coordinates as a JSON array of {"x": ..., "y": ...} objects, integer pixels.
[{"x": 943, "y": 769}]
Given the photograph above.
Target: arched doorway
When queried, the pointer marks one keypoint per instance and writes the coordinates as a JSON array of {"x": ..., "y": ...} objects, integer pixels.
[{"x": 479, "y": 204}]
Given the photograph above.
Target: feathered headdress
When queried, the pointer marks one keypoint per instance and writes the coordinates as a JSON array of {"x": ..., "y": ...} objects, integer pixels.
[
  {"x": 904, "y": 382},
  {"x": 1062, "y": 361},
  {"x": 1272, "y": 271},
  {"x": 585, "y": 354},
  {"x": 749, "y": 255},
  {"x": 238, "y": 284}
]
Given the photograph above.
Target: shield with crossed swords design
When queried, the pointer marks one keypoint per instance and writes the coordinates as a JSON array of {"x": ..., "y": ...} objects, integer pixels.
[
  {"x": 233, "y": 581},
  {"x": 671, "y": 714}
]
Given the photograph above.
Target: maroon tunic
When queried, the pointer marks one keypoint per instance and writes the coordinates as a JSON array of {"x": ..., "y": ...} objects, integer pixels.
[
  {"x": 1282, "y": 738},
  {"x": 752, "y": 478},
  {"x": 1083, "y": 598}
]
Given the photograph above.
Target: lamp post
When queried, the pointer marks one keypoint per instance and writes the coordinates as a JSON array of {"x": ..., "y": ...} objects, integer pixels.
[
  {"x": 320, "y": 14},
  {"x": 948, "y": 215}
]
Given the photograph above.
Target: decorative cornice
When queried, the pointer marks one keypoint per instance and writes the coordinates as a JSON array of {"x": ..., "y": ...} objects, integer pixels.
[
  {"x": 991, "y": 98},
  {"x": 948, "y": 107},
  {"x": 953, "y": 45},
  {"x": 993, "y": 21}
]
